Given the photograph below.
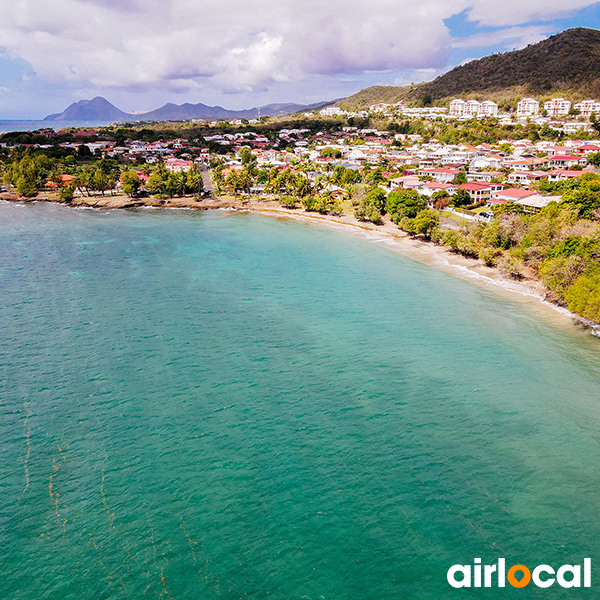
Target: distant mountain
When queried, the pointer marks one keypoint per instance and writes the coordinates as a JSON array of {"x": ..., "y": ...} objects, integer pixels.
[
  {"x": 567, "y": 64},
  {"x": 102, "y": 110},
  {"x": 98, "y": 109}
]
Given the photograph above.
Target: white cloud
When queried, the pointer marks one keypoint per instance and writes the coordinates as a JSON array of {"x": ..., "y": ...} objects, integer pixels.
[
  {"x": 248, "y": 45},
  {"x": 517, "y": 12},
  {"x": 511, "y": 38},
  {"x": 244, "y": 45}
]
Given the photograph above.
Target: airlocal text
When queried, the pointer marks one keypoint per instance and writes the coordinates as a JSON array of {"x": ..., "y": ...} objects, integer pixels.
[{"x": 519, "y": 576}]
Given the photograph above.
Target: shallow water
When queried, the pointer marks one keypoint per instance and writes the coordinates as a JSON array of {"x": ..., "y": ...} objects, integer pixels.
[{"x": 228, "y": 406}]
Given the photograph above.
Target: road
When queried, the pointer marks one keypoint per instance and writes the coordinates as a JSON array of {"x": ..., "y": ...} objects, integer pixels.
[{"x": 206, "y": 179}]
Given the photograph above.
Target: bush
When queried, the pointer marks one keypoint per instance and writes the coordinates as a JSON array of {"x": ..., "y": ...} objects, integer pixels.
[
  {"x": 583, "y": 297},
  {"x": 66, "y": 193},
  {"x": 26, "y": 188},
  {"x": 367, "y": 212}
]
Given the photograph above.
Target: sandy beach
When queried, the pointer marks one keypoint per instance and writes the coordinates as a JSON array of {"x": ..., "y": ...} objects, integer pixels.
[{"x": 528, "y": 289}]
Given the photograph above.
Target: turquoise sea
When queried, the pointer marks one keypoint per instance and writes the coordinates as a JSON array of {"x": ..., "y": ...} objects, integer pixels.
[{"x": 216, "y": 405}]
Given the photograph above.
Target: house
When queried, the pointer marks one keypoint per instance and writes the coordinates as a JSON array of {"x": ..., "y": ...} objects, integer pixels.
[
  {"x": 488, "y": 109},
  {"x": 511, "y": 195},
  {"x": 408, "y": 182},
  {"x": 473, "y": 108},
  {"x": 479, "y": 192},
  {"x": 528, "y": 107},
  {"x": 441, "y": 175},
  {"x": 564, "y": 174},
  {"x": 587, "y": 107},
  {"x": 526, "y": 177},
  {"x": 557, "y": 107},
  {"x": 566, "y": 160},
  {"x": 176, "y": 165},
  {"x": 484, "y": 176},
  {"x": 485, "y": 162},
  {"x": 432, "y": 187},
  {"x": 457, "y": 107},
  {"x": 536, "y": 202}
]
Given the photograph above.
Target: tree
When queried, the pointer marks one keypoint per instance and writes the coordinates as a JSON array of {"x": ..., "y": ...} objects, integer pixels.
[
  {"x": 26, "y": 187},
  {"x": 461, "y": 198},
  {"x": 130, "y": 183},
  {"x": 594, "y": 159},
  {"x": 246, "y": 156},
  {"x": 66, "y": 193},
  {"x": 376, "y": 198},
  {"x": 426, "y": 222},
  {"x": 583, "y": 297},
  {"x": 156, "y": 184},
  {"x": 460, "y": 178},
  {"x": 404, "y": 203},
  {"x": 331, "y": 152}
]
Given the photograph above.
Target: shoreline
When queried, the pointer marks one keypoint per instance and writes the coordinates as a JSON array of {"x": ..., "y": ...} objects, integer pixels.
[{"x": 528, "y": 290}]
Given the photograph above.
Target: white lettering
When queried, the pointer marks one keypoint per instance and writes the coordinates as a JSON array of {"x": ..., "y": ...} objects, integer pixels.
[
  {"x": 543, "y": 583},
  {"x": 466, "y": 572},
  {"x": 488, "y": 570},
  {"x": 575, "y": 570}
]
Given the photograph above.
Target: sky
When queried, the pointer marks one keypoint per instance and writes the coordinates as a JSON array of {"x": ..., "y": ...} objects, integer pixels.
[{"x": 140, "y": 54}]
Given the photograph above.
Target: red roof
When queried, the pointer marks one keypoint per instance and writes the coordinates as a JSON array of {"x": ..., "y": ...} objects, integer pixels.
[
  {"x": 564, "y": 157},
  {"x": 434, "y": 185},
  {"x": 474, "y": 187},
  {"x": 441, "y": 170},
  {"x": 514, "y": 193}
]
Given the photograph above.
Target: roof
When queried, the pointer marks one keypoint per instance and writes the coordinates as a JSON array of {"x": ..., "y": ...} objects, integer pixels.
[
  {"x": 514, "y": 193},
  {"x": 474, "y": 187},
  {"x": 441, "y": 170},
  {"x": 434, "y": 185}
]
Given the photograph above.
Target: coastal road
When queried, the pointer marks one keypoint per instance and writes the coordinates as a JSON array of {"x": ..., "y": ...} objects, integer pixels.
[{"x": 206, "y": 179}]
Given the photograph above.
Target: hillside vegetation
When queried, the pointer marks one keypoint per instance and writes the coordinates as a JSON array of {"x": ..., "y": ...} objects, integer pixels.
[{"x": 566, "y": 64}]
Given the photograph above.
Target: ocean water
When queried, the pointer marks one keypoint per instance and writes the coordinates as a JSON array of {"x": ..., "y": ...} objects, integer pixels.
[
  {"x": 9, "y": 126},
  {"x": 216, "y": 405}
]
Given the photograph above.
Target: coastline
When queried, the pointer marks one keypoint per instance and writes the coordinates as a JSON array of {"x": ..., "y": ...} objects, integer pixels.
[{"x": 528, "y": 290}]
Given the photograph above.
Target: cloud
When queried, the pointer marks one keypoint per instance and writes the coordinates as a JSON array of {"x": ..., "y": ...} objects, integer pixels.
[
  {"x": 246, "y": 46},
  {"x": 511, "y": 38},
  {"x": 516, "y": 12},
  {"x": 243, "y": 45}
]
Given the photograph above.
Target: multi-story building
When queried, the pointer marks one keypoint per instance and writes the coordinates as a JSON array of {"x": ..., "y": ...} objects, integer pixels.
[
  {"x": 528, "y": 107},
  {"x": 488, "y": 109},
  {"x": 457, "y": 107},
  {"x": 473, "y": 108},
  {"x": 587, "y": 107},
  {"x": 557, "y": 107}
]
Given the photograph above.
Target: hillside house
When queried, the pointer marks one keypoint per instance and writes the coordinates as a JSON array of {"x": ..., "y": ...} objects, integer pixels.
[
  {"x": 528, "y": 107},
  {"x": 557, "y": 107}
]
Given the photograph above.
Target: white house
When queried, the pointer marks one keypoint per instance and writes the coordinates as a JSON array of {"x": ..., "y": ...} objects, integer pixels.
[
  {"x": 441, "y": 175},
  {"x": 511, "y": 195},
  {"x": 528, "y": 107},
  {"x": 473, "y": 108},
  {"x": 488, "y": 109},
  {"x": 557, "y": 107},
  {"x": 526, "y": 177},
  {"x": 457, "y": 107},
  {"x": 587, "y": 107}
]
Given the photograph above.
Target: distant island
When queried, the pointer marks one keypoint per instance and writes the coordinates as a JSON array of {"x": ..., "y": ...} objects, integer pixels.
[{"x": 101, "y": 110}]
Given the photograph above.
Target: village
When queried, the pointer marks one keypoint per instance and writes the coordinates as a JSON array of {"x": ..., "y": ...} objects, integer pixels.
[{"x": 461, "y": 180}]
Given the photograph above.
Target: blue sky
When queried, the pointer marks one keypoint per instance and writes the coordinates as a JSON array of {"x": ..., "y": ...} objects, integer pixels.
[{"x": 140, "y": 54}]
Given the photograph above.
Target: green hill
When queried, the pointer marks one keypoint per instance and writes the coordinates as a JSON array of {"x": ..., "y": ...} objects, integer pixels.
[{"x": 567, "y": 64}]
